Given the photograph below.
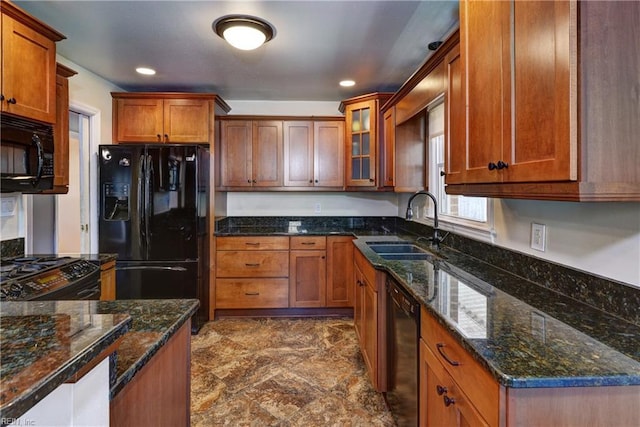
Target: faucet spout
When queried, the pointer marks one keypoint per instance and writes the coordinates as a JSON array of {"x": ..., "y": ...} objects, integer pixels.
[{"x": 436, "y": 239}]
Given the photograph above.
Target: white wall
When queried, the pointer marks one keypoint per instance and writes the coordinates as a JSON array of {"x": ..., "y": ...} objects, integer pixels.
[
  {"x": 304, "y": 204},
  {"x": 601, "y": 238}
]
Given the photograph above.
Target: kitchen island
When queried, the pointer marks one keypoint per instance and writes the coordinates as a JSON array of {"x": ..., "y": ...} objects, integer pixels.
[{"x": 150, "y": 334}]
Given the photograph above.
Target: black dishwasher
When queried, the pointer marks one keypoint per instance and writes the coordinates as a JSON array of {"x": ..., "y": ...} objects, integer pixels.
[{"x": 403, "y": 334}]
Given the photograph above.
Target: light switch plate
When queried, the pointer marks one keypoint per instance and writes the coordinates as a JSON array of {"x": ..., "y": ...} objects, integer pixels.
[{"x": 538, "y": 237}]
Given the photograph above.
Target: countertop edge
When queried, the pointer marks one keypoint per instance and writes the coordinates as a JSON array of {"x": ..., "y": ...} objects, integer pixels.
[
  {"x": 38, "y": 392},
  {"x": 137, "y": 366}
]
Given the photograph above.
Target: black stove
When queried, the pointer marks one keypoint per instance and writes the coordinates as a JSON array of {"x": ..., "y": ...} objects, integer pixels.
[{"x": 48, "y": 278}]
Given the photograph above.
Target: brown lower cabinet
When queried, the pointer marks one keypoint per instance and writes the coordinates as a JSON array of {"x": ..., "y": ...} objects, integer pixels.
[
  {"x": 108, "y": 281},
  {"x": 159, "y": 394},
  {"x": 369, "y": 318},
  {"x": 456, "y": 390},
  {"x": 276, "y": 272}
]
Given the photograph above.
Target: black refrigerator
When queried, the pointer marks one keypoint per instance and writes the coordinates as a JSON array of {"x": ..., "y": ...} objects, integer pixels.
[{"x": 154, "y": 202}]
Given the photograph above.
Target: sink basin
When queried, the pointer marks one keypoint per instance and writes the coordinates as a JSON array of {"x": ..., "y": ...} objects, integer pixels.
[
  {"x": 407, "y": 256},
  {"x": 399, "y": 251},
  {"x": 399, "y": 248}
]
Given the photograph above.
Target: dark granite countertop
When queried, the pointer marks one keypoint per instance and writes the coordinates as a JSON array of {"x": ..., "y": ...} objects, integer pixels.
[
  {"x": 44, "y": 343},
  {"x": 524, "y": 334},
  {"x": 146, "y": 324}
]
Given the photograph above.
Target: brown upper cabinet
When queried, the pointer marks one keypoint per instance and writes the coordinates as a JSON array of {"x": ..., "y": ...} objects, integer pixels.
[
  {"x": 364, "y": 139},
  {"x": 405, "y": 163},
  {"x": 545, "y": 120},
  {"x": 61, "y": 131},
  {"x": 28, "y": 65},
  {"x": 314, "y": 153},
  {"x": 168, "y": 117},
  {"x": 251, "y": 153}
]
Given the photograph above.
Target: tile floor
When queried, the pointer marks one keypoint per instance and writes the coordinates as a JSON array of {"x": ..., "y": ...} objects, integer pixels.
[{"x": 281, "y": 372}]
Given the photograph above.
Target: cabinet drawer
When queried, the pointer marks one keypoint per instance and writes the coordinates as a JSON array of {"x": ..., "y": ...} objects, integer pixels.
[
  {"x": 252, "y": 264},
  {"x": 252, "y": 293},
  {"x": 308, "y": 242},
  {"x": 365, "y": 267},
  {"x": 477, "y": 383},
  {"x": 252, "y": 243}
]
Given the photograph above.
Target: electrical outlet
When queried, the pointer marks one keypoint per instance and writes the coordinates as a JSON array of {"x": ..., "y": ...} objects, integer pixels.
[
  {"x": 538, "y": 237},
  {"x": 317, "y": 208}
]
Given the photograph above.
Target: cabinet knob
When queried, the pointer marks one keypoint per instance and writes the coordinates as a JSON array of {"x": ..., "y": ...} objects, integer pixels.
[
  {"x": 371, "y": 180},
  {"x": 441, "y": 390},
  {"x": 448, "y": 401},
  {"x": 492, "y": 166},
  {"x": 11, "y": 101},
  {"x": 159, "y": 137},
  {"x": 502, "y": 165},
  {"x": 316, "y": 181},
  {"x": 442, "y": 173},
  {"x": 310, "y": 181},
  {"x": 1, "y": 97},
  {"x": 249, "y": 181},
  {"x": 253, "y": 181},
  {"x": 166, "y": 137}
]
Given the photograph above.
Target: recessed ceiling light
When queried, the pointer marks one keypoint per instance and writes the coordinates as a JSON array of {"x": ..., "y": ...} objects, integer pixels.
[
  {"x": 243, "y": 32},
  {"x": 146, "y": 71},
  {"x": 347, "y": 83}
]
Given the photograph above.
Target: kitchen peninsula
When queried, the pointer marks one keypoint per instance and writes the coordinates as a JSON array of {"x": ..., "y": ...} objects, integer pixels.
[{"x": 45, "y": 344}]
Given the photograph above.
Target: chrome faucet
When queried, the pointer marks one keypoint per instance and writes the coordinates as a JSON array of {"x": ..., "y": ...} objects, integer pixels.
[{"x": 436, "y": 239}]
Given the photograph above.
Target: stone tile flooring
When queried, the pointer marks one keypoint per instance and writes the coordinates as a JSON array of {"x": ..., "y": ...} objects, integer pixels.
[{"x": 282, "y": 372}]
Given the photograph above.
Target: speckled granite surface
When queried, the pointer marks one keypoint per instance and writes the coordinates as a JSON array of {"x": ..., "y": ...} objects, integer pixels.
[
  {"x": 12, "y": 247},
  {"x": 524, "y": 334},
  {"x": 147, "y": 325},
  {"x": 613, "y": 297},
  {"x": 45, "y": 343}
]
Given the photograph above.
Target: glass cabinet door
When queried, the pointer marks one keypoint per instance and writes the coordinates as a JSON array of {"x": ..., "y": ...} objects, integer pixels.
[{"x": 362, "y": 162}]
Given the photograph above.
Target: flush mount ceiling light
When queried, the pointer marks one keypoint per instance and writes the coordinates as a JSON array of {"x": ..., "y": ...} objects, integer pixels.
[
  {"x": 146, "y": 71},
  {"x": 347, "y": 83},
  {"x": 243, "y": 32}
]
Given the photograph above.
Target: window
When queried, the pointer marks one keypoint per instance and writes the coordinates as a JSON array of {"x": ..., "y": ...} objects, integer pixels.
[{"x": 467, "y": 215}]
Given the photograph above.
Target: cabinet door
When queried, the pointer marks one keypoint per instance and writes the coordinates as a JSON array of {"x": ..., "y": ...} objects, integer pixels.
[
  {"x": 361, "y": 140},
  {"x": 542, "y": 149},
  {"x": 108, "y": 281},
  {"x": 340, "y": 291},
  {"x": 358, "y": 283},
  {"x": 370, "y": 329},
  {"x": 443, "y": 402},
  {"x": 186, "y": 120},
  {"x": 388, "y": 158},
  {"x": 28, "y": 72},
  {"x": 486, "y": 72},
  {"x": 235, "y": 153},
  {"x": 298, "y": 154},
  {"x": 455, "y": 120},
  {"x": 328, "y": 163},
  {"x": 307, "y": 278},
  {"x": 61, "y": 137},
  {"x": 266, "y": 155},
  {"x": 139, "y": 120},
  {"x": 411, "y": 170}
]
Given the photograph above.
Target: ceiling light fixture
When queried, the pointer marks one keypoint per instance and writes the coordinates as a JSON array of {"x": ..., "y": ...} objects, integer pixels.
[
  {"x": 243, "y": 32},
  {"x": 146, "y": 71},
  {"x": 347, "y": 83}
]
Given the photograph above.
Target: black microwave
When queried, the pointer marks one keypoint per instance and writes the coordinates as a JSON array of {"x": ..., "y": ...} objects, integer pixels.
[{"x": 26, "y": 155}]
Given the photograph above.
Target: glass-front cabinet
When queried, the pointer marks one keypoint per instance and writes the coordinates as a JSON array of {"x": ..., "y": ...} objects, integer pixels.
[{"x": 362, "y": 124}]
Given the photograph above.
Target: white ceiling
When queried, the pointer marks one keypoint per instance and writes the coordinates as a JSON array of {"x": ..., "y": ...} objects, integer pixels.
[{"x": 379, "y": 44}]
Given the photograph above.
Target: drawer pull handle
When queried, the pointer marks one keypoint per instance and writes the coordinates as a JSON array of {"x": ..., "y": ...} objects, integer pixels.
[
  {"x": 252, "y": 244},
  {"x": 448, "y": 401},
  {"x": 440, "y": 347},
  {"x": 441, "y": 390},
  {"x": 252, "y": 265},
  {"x": 308, "y": 243},
  {"x": 252, "y": 294}
]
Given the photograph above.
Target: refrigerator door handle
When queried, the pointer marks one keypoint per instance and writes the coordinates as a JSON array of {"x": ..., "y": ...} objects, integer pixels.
[
  {"x": 151, "y": 267},
  {"x": 148, "y": 203},
  {"x": 140, "y": 204}
]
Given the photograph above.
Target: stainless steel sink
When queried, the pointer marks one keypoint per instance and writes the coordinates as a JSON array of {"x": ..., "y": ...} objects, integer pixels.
[{"x": 399, "y": 251}]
